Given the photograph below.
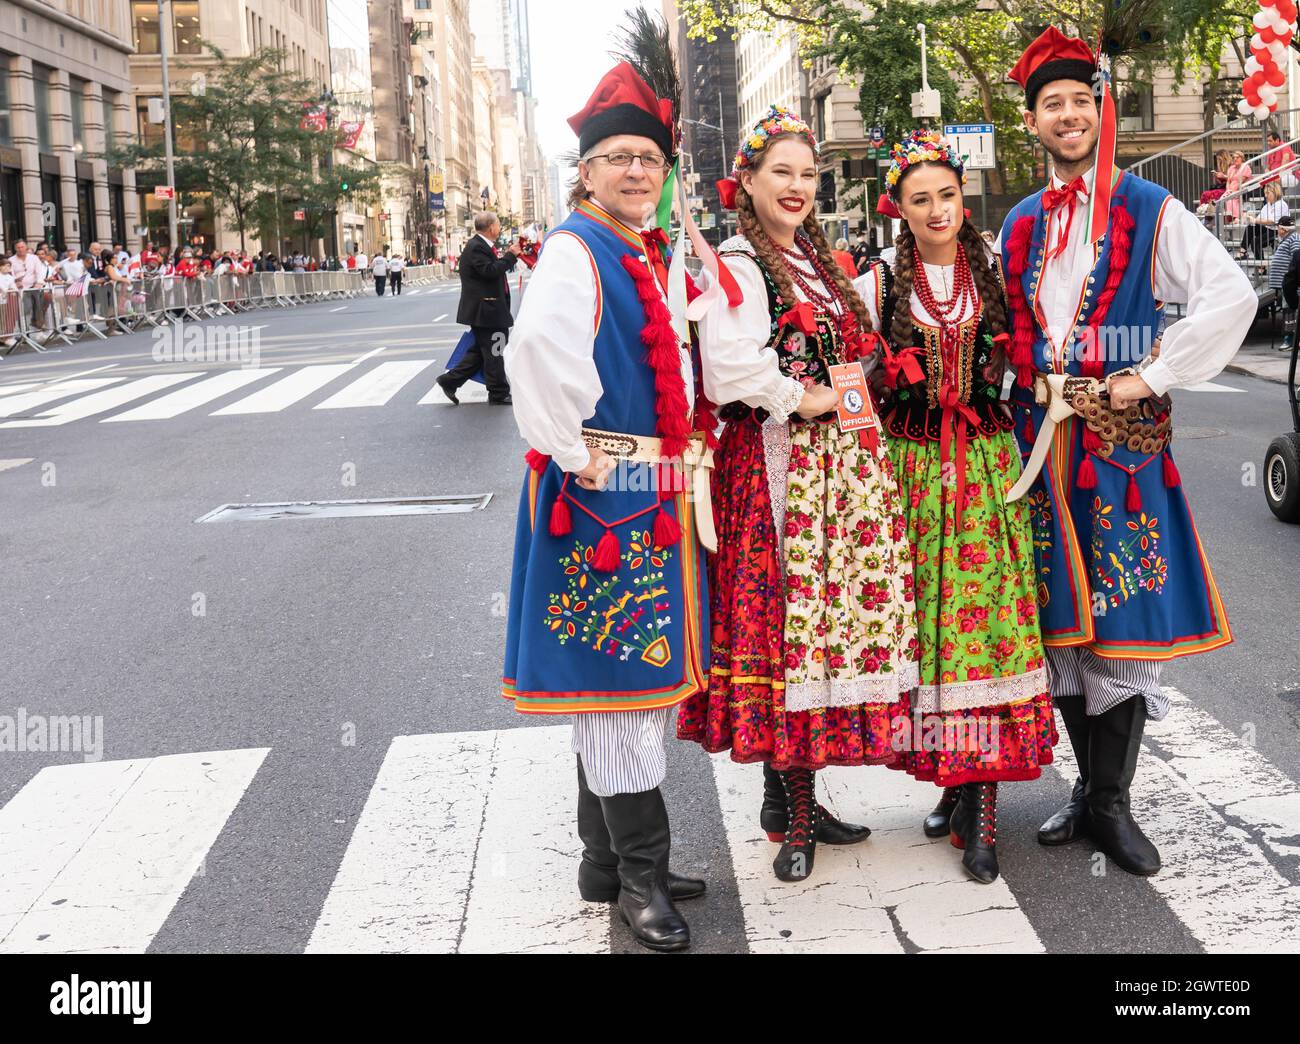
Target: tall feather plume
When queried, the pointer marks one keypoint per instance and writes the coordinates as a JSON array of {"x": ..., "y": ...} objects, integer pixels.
[
  {"x": 1132, "y": 30},
  {"x": 646, "y": 43}
]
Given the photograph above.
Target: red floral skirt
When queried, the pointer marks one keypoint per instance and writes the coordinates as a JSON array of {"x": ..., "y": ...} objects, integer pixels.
[{"x": 743, "y": 710}]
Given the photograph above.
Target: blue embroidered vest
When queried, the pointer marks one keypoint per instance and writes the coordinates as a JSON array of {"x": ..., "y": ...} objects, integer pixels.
[
  {"x": 580, "y": 639},
  {"x": 1125, "y": 583}
]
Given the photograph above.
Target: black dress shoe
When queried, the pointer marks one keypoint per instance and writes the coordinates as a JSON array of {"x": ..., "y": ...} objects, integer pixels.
[
  {"x": 447, "y": 391},
  {"x": 639, "y": 835},
  {"x": 1114, "y": 744},
  {"x": 978, "y": 821},
  {"x": 938, "y": 822},
  {"x": 507, "y": 401},
  {"x": 1069, "y": 823},
  {"x": 774, "y": 817}
]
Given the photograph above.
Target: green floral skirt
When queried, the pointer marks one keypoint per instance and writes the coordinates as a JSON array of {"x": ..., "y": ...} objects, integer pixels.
[{"x": 982, "y": 712}]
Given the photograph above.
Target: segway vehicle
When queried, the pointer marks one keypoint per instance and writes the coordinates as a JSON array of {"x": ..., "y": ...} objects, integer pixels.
[{"x": 1282, "y": 461}]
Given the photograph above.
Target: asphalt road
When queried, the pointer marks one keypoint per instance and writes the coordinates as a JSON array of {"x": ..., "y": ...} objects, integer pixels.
[{"x": 322, "y": 640}]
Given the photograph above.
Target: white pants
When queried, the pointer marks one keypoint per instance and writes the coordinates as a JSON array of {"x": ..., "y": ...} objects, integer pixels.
[
  {"x": 1104, "y": 683},
  {"x": 622, "y": 751}
]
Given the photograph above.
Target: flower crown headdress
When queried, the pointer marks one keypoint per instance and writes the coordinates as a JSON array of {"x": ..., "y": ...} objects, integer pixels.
[
  {"x": 778, "y": 120},
  {"x": 921, "y": 146}
]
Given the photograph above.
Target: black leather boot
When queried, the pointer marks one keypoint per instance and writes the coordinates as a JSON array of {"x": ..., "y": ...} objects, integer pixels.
[
  {"x": 774, "y": 818},
  {"x": 598, "y": 871},
  {"x": 1116, "y": 739},
  {"x": 978, "y": 837},
  {"x": 795, "y": 860},
  {"x": 937, "y": 822},
  {"x": 639, "y": 836},
  {"x": 1070, "y": 822}
]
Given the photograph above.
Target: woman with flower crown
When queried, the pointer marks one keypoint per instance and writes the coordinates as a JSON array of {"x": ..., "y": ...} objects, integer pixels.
[
  {"x": 813, "y": 636},
  {"x": 981, "y": 713}
]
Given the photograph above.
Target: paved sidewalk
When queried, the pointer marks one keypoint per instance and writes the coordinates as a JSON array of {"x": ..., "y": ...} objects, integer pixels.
[{"x": 1257, "y": 359}]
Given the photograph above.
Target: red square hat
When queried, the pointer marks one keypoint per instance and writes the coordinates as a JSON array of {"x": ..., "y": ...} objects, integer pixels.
[
  {"x": 1053, "y": 56},
  {"x": 623, "y": 103}
]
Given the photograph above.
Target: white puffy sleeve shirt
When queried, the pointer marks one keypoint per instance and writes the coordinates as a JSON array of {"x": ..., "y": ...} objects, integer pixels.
[
  {"x": 549, "y": 358},
  {"x": 739, "y": 365},
  {"x": 1191, "y": 266}
]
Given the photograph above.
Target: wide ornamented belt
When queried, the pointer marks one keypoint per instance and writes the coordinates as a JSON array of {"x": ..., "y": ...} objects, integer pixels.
[
  {"x": 696, "y": 461},
  {"x": 1144, "y": 427}
]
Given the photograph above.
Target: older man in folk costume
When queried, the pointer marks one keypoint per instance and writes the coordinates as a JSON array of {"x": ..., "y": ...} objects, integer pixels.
[
  {"x": 608, "y": 598},
  {"x": 1123, "y": 582}
]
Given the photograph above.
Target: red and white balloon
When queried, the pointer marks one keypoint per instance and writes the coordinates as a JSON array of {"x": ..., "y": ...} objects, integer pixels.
[{"x": 1275, "y": 25}]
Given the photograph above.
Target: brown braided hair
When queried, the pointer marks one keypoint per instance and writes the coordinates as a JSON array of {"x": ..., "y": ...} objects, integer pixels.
[
  {"x": 984, "y": 274},
  {"x": 752, "y": 229}
]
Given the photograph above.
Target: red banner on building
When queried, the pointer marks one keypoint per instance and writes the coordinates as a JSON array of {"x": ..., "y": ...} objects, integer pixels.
[
  {"x": 350, "y": 133},
  {"x": 315, "y": 117}
]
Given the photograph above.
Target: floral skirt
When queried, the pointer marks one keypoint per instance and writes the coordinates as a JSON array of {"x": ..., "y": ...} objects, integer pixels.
[
  {"x": 834, "y": 618},
  {"x": 982, "y": 712}
]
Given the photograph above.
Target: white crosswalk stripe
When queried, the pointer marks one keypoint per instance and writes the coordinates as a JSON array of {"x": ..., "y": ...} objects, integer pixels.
[
  {"x": 101, "y": 401},
  {"x": 466, "y": 844},
  {"x": 287, "y": 390},
  {"x": 372, "y": 384},
  {"x": 93, "y": 856},
  {"x": 471, "y": 391},
  {"x": 194, "y": 395},
  {"x": 11, "y": 405},
  {"x": 377, "y": 386}
]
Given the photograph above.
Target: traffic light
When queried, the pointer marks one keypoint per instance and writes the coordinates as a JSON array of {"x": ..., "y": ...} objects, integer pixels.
[{"x": 344, "y": 185}]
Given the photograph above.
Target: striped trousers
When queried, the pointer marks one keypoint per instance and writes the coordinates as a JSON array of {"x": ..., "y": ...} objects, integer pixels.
[
  {"x": 622, "y": 751},
  {"x": 1104, "y": 683}
]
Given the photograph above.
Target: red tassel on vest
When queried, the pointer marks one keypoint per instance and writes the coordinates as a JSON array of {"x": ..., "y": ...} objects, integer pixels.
[
  {"x": 608, "y": 553},
  {"x": 1133, "y": 501},
  {"x": 1091, "y": 441},
  {"x": 1022, "y": 322},
  {"x": 561, "y": 519},
  {"x": 667, "y": 531},
  {"x": 536, "y": 461},
  {"x": 1029, "y": 427},
  {"x": 1172, "y": 478},
  {"x": 1087, "y": 477}
]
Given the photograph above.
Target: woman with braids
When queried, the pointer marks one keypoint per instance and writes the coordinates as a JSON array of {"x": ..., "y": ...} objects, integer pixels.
[
  {"x": 981, "y": 713},
  {"x": 813, "y": 636}
]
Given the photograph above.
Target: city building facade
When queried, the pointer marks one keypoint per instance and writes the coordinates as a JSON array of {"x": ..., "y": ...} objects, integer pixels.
[
  {"x": 238, "y": 28},
  {"x": 65, "y": 99}
]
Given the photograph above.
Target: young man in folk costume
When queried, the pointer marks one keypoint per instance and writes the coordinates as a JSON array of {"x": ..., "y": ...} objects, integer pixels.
[
  {"x": 983, "y": 678},
  {"x": 608, "y": 600},
  {"x": 813, "y": 623},
  {"x": 1123, "y": 582}
]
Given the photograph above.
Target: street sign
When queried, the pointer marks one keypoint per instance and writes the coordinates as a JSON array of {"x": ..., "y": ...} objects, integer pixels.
[
  {"x": 164, "y": 192},
  {"x": 974, "y": 182},
  {"x": 300, "y": 215},
  {"x": 974, "y": 142}
]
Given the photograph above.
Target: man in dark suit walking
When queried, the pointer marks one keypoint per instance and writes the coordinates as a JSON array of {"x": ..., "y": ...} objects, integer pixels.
[{"x": 485, "y": 309}]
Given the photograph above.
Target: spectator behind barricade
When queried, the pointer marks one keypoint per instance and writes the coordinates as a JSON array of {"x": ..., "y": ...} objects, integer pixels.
[
  {"x": 352, "y": 261},
  {"x": 71, "y": 268},
  {"x": 379, "y": 269},
  {"x": 1283, "y": 157},
  {"x": 844, "y": 259},
  {"x": 186, "y": 266},
  {"x": 121, "y": 256},
  {"x": 98, "y": 283},
  {"x": 29, "y": 274},
  {"x": 395, "y": 268},
  {"x": 1282, "y": 267},
  {"x": 117, "y": 295},
  {"x": 149, "y": 254},
  {"x": 9, "y": 305},
  {"x": 1262, "y": 228}
]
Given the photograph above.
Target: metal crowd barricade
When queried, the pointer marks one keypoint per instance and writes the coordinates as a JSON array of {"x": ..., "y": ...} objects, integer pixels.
[{"x": 57, "y": 312}]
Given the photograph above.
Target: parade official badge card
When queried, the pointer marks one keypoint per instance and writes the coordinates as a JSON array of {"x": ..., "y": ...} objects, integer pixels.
[{"x": 855, "y": 411}]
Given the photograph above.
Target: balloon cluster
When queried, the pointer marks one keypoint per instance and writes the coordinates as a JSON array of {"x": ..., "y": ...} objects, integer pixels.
[{"x": 1275, "y": 25}]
